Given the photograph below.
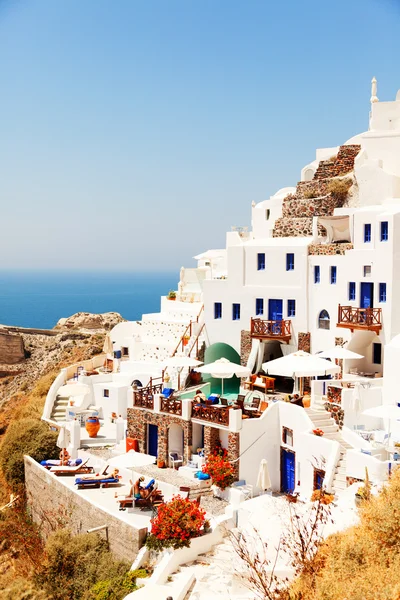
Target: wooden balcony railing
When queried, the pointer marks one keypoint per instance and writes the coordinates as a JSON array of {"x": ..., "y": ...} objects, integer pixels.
[
  {"x": 144, "y": 397},
  {"x": 360, "y": 318},
  {"x": 212, "y": 414},
  {"x": 261, "y": 328},
  {"x": 172, "y": 406}
]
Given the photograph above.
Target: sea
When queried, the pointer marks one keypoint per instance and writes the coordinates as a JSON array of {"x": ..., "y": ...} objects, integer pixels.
[{"x": 40, "y": 298}]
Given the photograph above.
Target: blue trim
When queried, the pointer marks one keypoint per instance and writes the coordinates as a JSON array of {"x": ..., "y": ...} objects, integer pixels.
[
  {"x": 291, "y": 308},
  {"x": 217, "y": 310},
  {"x": 259, "y": 306},
  {"x": 384, "y": 231},
  {"x": 317, "y": 274},
  {"x": 261, "y": 261},
  {"x": 382, "y": 292},
  {"x": 352, "y": 290},
  {"x": 367, "y": 233},
  {"x": 333, "y": 275},
  {"x": 235, "y": 312},
  {"x": 290, "y": 261}
]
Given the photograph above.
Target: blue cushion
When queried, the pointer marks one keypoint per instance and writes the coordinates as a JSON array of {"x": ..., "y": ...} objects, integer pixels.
[
  {"x": 167, "y": 392},
  {"x": 81, "y": 481},
  {"x": 201, "y": 475},
  {"x": 151, "y": 482}
]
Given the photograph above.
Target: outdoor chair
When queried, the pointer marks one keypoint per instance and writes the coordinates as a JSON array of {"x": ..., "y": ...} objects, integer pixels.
[
  {"x": 76, "y": 470},
  {"x": 152, "y": 502},
  {"x": 167, "y": 392},
  {"x": 176, "y": 459},
  {"x": 224, "y": 401},
  {"x": 255, "y": 403}
]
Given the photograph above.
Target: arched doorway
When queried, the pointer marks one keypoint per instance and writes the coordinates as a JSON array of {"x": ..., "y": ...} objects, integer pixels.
[
  {"x": 213, "y": 353},
  {"x": 175, "y": 439}
]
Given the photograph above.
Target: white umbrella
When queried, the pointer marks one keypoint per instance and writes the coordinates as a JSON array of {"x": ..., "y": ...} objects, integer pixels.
[
  {"x": 182, "y": 362},
  {"x": 339, "y": 353},
  {"x": 384, "y": 411},
  {"x": 263, "y": 479},
  {"x": 73, "y": 389},
  {"x": 224, "y": 369},
  {"x": 63, "y": 439},
  {"x": 356, "y": 399},
  {"x": 108, "y": 345},
  {"x": 300, "y": 364}
]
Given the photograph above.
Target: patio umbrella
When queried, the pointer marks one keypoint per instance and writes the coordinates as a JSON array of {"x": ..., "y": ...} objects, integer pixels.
[
  {"x": 182, "y": 362},
  {"x": 384, "y": 411},
  {"x": 339, "y": 353},
  {"x": 224, "y": 369},
  {"x": 263, "y": 479},
  {"x": 356, "y": 399},
  {"x": 63, "y": 438},
  {"x": 108, "y": 345},
  {"x": 300, "y": 364}
]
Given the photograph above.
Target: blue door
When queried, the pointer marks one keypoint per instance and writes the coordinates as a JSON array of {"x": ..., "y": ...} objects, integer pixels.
[
  {"x": 275, "y": 310},
  {"x": 288, "y": 479},
  {"x": 367, "y": 295},
  {"x": 153, "y": 440}
]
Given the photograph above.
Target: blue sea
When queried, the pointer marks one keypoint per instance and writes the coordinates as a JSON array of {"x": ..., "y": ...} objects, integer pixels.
[{"x": 40, "y": 299}]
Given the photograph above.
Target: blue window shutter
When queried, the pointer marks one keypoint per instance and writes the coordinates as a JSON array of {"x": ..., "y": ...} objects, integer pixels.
[
  {"x": 290, "y": 261},
  {"x": 333, "y": 274},
  {"x": 367, "y": 232},
  {"x": 261, "y": 261},
  {"x": 291, "y": 308},
  {"x": 259, "y": 306},
  {"x": 235, "y": 312},
  {"x": 382, "y": 292},
  {"x": 217, "y": 310},
  {"x": 352, "y": 290},
  {"x": 317, "y": 274},
  {"x": 384, "y": 231}
]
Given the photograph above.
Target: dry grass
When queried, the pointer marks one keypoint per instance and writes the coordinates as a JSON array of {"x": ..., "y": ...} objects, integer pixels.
[
  {"x": 362, "y": 563},
  {"x": 339, "y": 188}
]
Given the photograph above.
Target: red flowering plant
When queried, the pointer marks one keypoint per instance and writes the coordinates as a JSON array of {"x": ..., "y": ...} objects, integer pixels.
[
  {"x": 219, "y": 468},
  {"x": 176, "y": 522}
]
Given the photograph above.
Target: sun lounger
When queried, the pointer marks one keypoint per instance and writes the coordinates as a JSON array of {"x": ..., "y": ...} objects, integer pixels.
[
  {"x": 72, "y": 462},
  {"x": 65, "y": 470},
  {"x": 96, "y": 482}
]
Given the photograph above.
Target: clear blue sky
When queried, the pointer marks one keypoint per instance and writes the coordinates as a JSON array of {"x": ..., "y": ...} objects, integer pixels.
[{"x": 135, "y": 133}]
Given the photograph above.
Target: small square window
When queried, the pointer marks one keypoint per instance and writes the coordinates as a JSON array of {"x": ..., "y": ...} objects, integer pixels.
[
  {"x": 352, "y": 290},
  {"x": 290, "y": 261},
  {"x": 235, "y": 312},
  {"x": 384, "y": 231},
  {"x": 267, "y": 213},
  {"x": 106, "y": 393},
  {"x": 382, "y": 292},
  {"x": 317, "y": 274},
  {"x": 287, "y": 436},
  {"x": 261, "y": 261},
  {"x": 217, "y": 310},
  {"x": 333, "y": 274},
  {"x": 367, "y": 232},
  {"x": 291, "y": 308},
  {"x": 125, "y": 351},
  {"x": 259, "y": 306},
  {"x": 367, "y": 270}
]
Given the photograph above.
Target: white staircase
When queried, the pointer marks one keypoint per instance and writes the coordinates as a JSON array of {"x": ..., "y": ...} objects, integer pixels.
[
  {"x": 322, "y": 419},
  {"x": 59, "y": 410}
]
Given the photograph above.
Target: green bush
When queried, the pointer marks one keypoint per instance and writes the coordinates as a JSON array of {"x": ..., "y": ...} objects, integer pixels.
[
  {"x": 82, "y": 568},
  {"x": 25, "y": 436}
]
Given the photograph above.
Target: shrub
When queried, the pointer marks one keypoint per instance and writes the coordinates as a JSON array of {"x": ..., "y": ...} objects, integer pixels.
[
  {"x": 339, "y": 188},
  {"x": 322, "y": 496},
  {"x": 308, "y": 194},
  {"x": 26, "y": 436},
  {"x": 176, "y": 523},
  {"x": 219, "y": 469},
  {"x": 82, "y": 568}
]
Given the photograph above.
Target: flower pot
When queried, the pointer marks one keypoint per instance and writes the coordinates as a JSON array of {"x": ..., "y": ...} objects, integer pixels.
[
  {"x": 172, "y": 299},
  {"x": 92, "y": 426},
  {"x": 160, "y": 463},
  {"x": 306, "y": 401}
]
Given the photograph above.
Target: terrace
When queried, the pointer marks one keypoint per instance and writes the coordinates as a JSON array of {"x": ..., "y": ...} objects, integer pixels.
[
  {"x": 273, "y": 330},
  {"x": 352, "y": 318}
]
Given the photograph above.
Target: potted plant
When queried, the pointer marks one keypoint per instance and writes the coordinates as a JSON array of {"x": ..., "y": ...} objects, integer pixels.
[
  {"x": 221, "y": 471},
  {"x": 318, "y": 432},
  {"x": 322, "y": 496},
  {"x": 185, "y": 340},
  {"x": 176, "y": 523},
  {"x": 171, "y": 295}
]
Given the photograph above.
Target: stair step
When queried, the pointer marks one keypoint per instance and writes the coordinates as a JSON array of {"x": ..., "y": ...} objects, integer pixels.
[
  {"x": 339, "y": 477},
  {"x": 340, "y": 485},
  {"x": 340, "y": 471}
]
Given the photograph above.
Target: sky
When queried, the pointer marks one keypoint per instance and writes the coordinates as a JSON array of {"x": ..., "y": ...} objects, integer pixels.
[{"x": 134, "y": 134}]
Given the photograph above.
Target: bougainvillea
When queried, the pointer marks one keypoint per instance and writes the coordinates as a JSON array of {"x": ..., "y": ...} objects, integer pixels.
[
  {"x": 219, "y": 468},
  {"x": 177, "y": 521}
]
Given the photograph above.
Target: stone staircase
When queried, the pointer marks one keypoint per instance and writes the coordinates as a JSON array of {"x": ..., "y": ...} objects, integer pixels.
[
  {"x": 59, "y": 410},
  {"x": 322, "y": 419}
]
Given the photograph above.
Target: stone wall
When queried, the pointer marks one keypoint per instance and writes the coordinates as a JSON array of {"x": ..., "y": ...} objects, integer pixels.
[
  {"x": 245, "y": 346},
  {"x": 329, "y": 249},
  {"x": 139, "y": 418},
  {"x": 304, "y": 342},
  {"x": 211, "y": 439},
  {"x": 320, "y": 206},
  {"x": 337, "y": 413},
  {"x": 11, "y": 348},
  {"x": 53, "y": 505},
  {"x": 234, "y": 451},
  {"x": 340, "y": 165}
]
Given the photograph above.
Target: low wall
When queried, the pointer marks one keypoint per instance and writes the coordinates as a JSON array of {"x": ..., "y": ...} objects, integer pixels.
[{"x": 53, "y": 505}]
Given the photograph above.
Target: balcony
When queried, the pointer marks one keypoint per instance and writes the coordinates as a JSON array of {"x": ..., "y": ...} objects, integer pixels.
[
  {"x": 367, "y": 319},
  {"x": 271, "y": 330},
  {"x": 144, "y": 397},
  {"x": 213, "y": 414},
  {"x": 171, "y": 406}
]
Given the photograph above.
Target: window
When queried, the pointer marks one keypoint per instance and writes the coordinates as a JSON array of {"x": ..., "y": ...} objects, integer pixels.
[
  {"x": 367, "y": 270},
  {"x": 106, "y": 393},
  {"x": 217, "y": 310},
  {"x": 382, "y": 292},
  {"x": 384, "y": 231},
  {"x": 324, "y": 320},
  {"x": 352, "y": 290},
  {"x": 367, "y": 232},
  {"x": 333, "y": 274},
  {"x": 319, "y": 476},
  {"x": 289, "y": 262},
  {"x": 291, "y": 308},
  {"x": 260, "y": 261},
  {"x": 377, "y": 354},
  {"x": 125, "y": 351},
  {"x": 267, "y": 213},
  {"x": 317, "y": 274},
  {"x": 235, "y": 312},
  {"x": 287, "y": 436},
  {"x": 259, "y": 306}
]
